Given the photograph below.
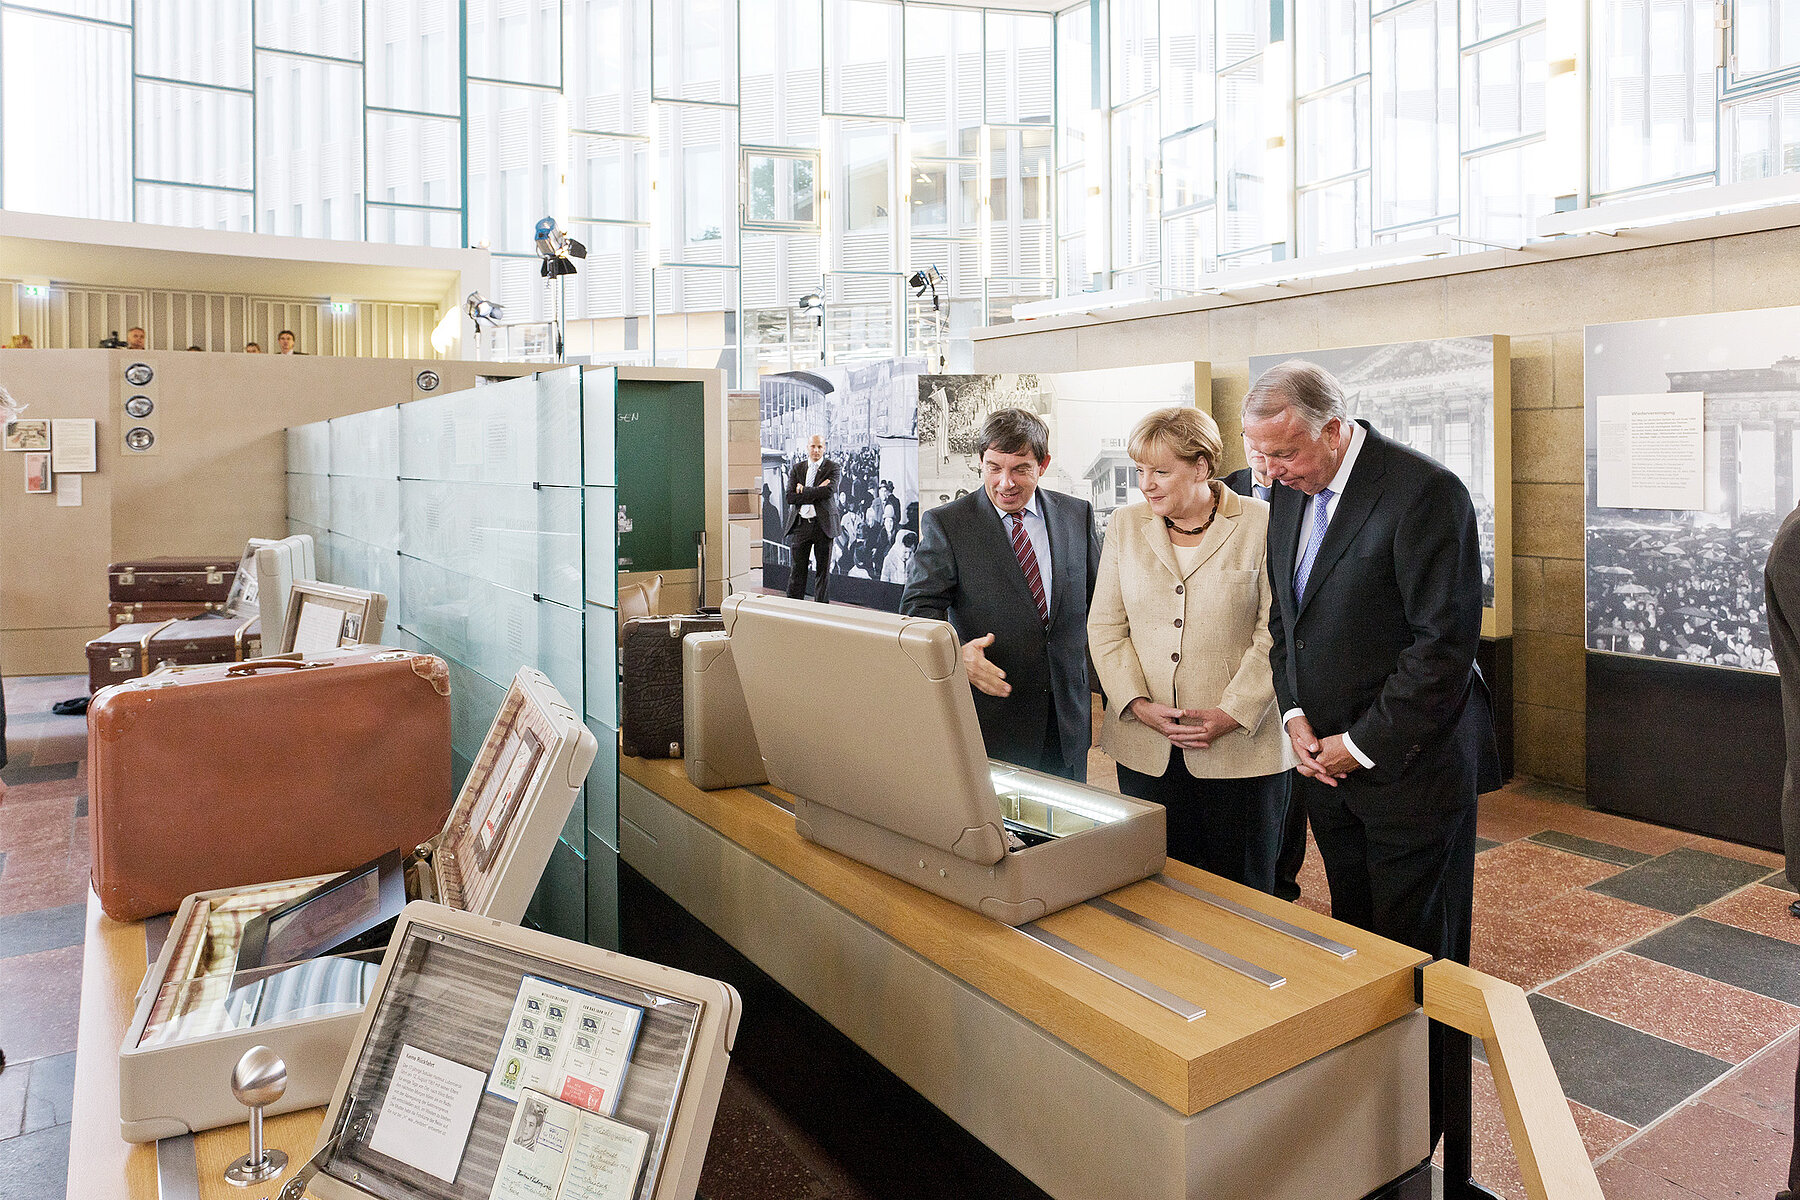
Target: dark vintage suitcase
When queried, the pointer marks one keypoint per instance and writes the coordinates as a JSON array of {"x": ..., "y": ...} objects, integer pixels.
[
  {"x": 198, "y": 580},
  {"x": 157, "y": 611},
  {"x": 237, "y": 773},
  {"x": 651, "y": 711},
  {"x": 133, "y": 651}
]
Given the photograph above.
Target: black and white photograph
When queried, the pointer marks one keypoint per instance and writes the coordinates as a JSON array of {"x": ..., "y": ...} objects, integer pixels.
[
  {"x": 1090, "y": 415},
  {"x": 1442, "y": 398},
  {"x": 1686, "y": 585},
  {"x": 867, "y": 414}
]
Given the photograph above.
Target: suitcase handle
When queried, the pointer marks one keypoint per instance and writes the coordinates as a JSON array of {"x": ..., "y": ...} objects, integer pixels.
[{"x": 269, "y": 664}]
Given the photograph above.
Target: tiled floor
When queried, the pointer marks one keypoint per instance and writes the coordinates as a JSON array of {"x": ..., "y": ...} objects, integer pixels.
[{"x": 1664, "y": 969}]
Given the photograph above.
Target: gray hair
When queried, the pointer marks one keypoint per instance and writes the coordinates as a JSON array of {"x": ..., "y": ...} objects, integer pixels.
[{"x": 1309, "y": 389}]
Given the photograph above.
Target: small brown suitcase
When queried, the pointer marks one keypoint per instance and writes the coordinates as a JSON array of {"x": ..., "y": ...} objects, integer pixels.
[
  {"x": 133, "y": 651},
  {"x": 236, "y": 773},
  {"x": 157, "y": 611},
  {"x": 164, "y": 580},
  {"x": 651, "y": 705}
]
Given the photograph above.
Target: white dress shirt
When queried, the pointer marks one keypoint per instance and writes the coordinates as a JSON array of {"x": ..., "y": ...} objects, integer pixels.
[
  {"x": 1337, "y": 485},
  {"x": 812, "y": 473},
  {"x": 1037, "y": 531}
]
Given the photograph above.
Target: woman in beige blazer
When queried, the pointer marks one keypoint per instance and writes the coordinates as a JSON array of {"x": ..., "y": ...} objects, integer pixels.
[{"x": 1179, "y": 629}]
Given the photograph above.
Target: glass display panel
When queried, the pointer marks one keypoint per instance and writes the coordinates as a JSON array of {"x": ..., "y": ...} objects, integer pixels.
[
  {"x": 514, "y": 135},
  {"x": 1243, "y": 152},
  {"x": 366, "y": 443},
  {"x": 309, "y": 499},
  {"x": 367, "y": 510},
  {"x": 1503, "y": 91},
  {"x": 1331, "y": 42},
  {"x": 693, "y": 46},
  {"x": 1762, "y": 137},
  {"x": 360, "y": 564},
  {"x": 945, "y": 92},
  {"x": 195, "y": 208},
  {"x": 415, "y": 226},
  {"x": 1185, "y": 43},
  {"x": 1333, "y": 134},
  {"x": 600, "y": 518},
  {"x": 596, "y": 392},
  {"x": 198, "y": 41},
  {"x": 779, "y": 49},
  {"x": 523, "y": 538},
  {"x": 309, "y": 124},
  {"x": 602, "y": 660},
  {"x": 1189, "y": 249},
  {"x": 309, "y": 448},
  {"x": 515, "y": 41},
  {"x": 863, "y": 75},
  {"x": 320, "y": 987},
  {"x": 1414, "y": 75},
  {"x": 518, "y": 431},
  {"x": 1134, "y": 184},
  {"x": 606, "y": 81},
  {"x": 1655, "y": 92},
  {"x": 80, "y": 144},
  {"x": 1765, "y": 37},
  {"x": 463, "y": 1000},
  {"x": 1020, "y": 90},
  {"x": 1334, "y": 217},
  {"x": 415, "y": 160},
  {"x": 330, "y": 28},
  {"x": 1134, "y": 49},
  {"x": 413, "y": 60},
  {"x": 1483, "y": 19}
]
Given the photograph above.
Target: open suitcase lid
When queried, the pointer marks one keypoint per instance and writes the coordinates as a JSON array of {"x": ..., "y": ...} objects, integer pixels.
[{"x": 488, "y": 1049}]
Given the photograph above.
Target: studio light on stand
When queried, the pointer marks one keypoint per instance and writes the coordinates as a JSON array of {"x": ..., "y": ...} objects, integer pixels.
[
  {"x": 813, "y": 304},
  {"x": 922, "y": 282},
  {"x": 558, "y": 251}
]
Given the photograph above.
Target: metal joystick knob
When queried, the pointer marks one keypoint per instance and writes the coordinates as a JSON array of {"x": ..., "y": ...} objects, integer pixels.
[{"x": 259, "y": 1080}]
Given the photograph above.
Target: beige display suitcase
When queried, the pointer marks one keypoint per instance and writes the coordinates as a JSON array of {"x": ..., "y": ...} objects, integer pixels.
[
  {"x": 893, "y": 771},
  {"x": 195, "y": 1016},
  {"x": 721, "y": 742}
]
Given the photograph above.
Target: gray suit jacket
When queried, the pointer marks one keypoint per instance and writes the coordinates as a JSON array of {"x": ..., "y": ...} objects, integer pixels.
[
  {"x": 1781, "y": 586},
  {"x": 964, "y": 571}
]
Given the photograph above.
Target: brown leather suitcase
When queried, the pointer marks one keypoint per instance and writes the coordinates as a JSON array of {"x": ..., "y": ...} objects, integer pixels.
[
  {"x": 157, "y": 611},
  {"x": 133, "y": 651},
  {"x": 651, "y": 703},
  {"x": 164, "y": 580},
  {"x": 237, "y": 773}
]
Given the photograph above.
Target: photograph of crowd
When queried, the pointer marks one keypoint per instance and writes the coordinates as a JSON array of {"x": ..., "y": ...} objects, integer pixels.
[
  {"x": 1090, "y": 415},
  {"x": 867, "y": 414},
  {"x": 1687, "y": 586},
  {"x": 1439, "y": 398}
]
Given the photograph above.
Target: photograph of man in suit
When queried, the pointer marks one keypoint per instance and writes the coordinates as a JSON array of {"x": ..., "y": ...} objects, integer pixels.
[
  {"x": 1012, "y": 567},
  {"x": 812, "y": 519},
  {"x": 1375, "y": 560}
]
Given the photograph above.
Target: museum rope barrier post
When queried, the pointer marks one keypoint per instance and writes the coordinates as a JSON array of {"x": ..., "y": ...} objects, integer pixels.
[{"x": 1553, "y": 1161}]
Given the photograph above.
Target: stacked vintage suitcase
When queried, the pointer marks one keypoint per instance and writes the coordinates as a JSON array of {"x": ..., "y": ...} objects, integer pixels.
[{"x": 176, "y": 610}]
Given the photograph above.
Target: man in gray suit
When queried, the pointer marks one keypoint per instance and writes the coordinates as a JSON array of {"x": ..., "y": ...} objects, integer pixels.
[
  {"x": 1012, "y": 567},
  {"x": 812, "y": 519},
  {"x": 1781, "y": 587}
]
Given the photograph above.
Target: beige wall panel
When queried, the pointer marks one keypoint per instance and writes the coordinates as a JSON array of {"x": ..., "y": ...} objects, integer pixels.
[
  {"x": 1756, "y": 270},
  {"x": 1370, "y": 316},
  {"x": 1132, "y": 343},
  {"x": 46, "y": 651},
  {"x": 1547, "y": 519},
  {"x": 1547, "y": 445},
  {"x": 1550, "y": 743},
  {"x": 1550, "y": 669},
  {"x": 1569, "y": 293},
  {"x": 1054, "y": 350},
  {"x": 1533, "y": 373},
  {"x": 1290, "y": 326},
  {"x": 1568, "y": 363}
]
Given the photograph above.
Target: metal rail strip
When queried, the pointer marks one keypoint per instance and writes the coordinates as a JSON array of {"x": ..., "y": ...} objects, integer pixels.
[
  {"x": 1261, "y": 918},
  {"x": 1187, "y": 1010},
  {"x": 1229, "y": 961}
]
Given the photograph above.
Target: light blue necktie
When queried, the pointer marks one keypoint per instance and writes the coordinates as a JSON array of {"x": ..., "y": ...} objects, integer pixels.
[{"x": 1321, "y": 515}]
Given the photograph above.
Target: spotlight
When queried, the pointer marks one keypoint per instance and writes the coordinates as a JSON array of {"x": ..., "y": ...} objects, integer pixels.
[
  {"x": 480, "y": 309},
  {"x": 557, "y": 248},
  {"x": 812, "y": 302},
  {"x": 928, "y": 279}
]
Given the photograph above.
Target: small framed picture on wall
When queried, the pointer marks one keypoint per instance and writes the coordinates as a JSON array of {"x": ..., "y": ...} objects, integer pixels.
[
  {"x": 37, "y": 471},
  {"x": 28, "y": 435}
]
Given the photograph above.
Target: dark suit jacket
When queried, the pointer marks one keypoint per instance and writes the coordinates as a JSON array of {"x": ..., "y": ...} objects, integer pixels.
[
  {"x": 964, "y": 571},
  {"x": 1241, "y": 481},
  {"x": 1781, "y": 587},
  {"x": 822, "y": 496},
  {"x": 1384, "y": 645}
]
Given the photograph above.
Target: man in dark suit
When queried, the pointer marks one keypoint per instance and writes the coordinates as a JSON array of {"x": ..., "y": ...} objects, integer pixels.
[
  {"x": 1375, "y": 561},
  {"x": 1781, "y": 588},
  {"x": 812, "y": 519},
  {"x": 1254, "y": 481},
  {"x": 1012, "y": 567}
]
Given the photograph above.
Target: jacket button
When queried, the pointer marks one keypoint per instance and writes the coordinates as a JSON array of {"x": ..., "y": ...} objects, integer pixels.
[
  {"x": 1299, "y": 645},
  {"x": 1178, "y": 622},
  {"x": 1176, "y": 657},
  {"x": 1178, "y": 589}
]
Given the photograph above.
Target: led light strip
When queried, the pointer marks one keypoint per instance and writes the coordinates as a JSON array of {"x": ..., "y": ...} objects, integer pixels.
[
  {"x": 1230, "y": 962},
  {"x": 1263, "y": 919},
  {"x": 1187, "y": 1010}
]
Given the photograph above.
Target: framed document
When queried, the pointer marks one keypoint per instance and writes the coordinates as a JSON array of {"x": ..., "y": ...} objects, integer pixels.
[
  {"x": 73, "y": 445},
  {"x": 324, "y": 616},
  {"x": 37, "y": 472},
  {"x": 28, "y": 435}
]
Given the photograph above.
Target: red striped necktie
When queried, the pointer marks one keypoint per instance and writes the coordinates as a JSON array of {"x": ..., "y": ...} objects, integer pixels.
[{"x": 1028, "y": 563}]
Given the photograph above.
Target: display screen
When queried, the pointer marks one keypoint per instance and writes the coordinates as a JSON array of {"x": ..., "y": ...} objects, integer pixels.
[{"x": 320, "y": 922}]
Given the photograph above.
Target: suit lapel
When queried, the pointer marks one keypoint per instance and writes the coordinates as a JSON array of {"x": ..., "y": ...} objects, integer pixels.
[
  {"x": 1360, "y": 494},
  {"x": 1157, "y": 538},
  {"x": 1220, "y": 532},
  {"x": 1059, "y": 552}
]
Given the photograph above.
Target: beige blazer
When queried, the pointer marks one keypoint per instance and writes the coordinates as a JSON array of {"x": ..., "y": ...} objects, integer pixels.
[{"x": 1194, "y": 641}]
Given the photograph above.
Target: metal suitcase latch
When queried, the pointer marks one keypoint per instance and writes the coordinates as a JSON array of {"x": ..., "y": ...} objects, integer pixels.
[
  {"x": 120, "y": 662},
  {"x": 127, "y": 577},
  {"x": 215, "y": 577}
]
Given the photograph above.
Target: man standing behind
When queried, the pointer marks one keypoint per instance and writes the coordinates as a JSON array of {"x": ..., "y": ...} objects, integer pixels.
[
  {"x": 285, "y": 342},
  {"x": 1012, "y": 567},
  {"x": 135, "y": 338},
  {"x": 812, "y": 519},
  {"x": 1375, "y": 561},
  {"x": 1254, "y": 481}
]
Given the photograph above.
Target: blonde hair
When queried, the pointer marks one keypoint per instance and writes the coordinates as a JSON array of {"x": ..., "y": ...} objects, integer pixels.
[{"x": 1185, "y": 433}]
